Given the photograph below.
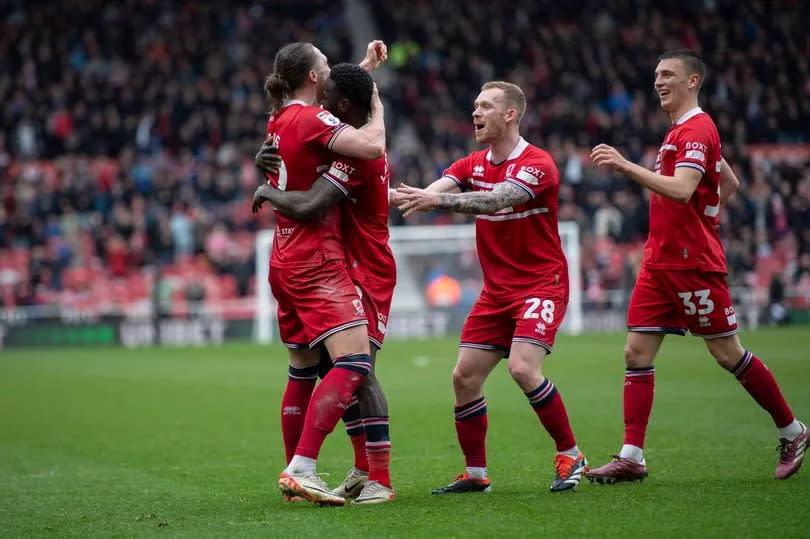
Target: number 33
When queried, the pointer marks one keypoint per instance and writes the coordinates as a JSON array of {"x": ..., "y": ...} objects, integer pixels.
[{"x": 707, "y": 305}]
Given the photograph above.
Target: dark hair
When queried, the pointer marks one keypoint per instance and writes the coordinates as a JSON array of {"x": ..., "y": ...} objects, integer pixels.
[
  {"x": 290, "y": 68},
  {"x": 353, "y": 82},
  {"x": 691, "y": 59}
]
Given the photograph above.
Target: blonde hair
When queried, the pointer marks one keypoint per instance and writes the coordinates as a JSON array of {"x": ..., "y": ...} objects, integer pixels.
[{"x": 513, "y": 95}]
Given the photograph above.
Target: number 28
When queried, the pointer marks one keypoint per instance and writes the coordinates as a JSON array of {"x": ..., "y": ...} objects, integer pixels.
[{"x": 546, "y": 313}]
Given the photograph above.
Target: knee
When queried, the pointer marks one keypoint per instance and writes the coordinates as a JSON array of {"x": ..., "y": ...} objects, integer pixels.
[
  {"x": 636, "y": 358},
  {"x": 464, "y": 380},
  {"x": 724, "y": 357},
  {"x": 521, "y": 372}
]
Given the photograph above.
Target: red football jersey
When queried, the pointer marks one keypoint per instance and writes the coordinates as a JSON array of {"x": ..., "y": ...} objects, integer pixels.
[
  {"x": 519, "y": 247},
  {"x": 364, "y": 218},
  {"x": 684, "y": 236},
  {"x": 304, "y": 136}
]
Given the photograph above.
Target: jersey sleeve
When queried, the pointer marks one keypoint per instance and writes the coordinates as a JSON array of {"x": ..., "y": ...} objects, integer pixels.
[
  {"x": 532, "y": 175},
  {"x": 460, "y": 172},
  {"x": 694, "y": 148},
  {"x": 345, "y": 174},
  {"x": 320, "y": 127}
]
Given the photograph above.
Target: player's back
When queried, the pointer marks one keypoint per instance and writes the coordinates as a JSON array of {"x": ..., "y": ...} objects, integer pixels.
[
  {"x": 303, "y": 135},
  {"x": 364, "y": 218},
  {"x": 685, "y": 236}
]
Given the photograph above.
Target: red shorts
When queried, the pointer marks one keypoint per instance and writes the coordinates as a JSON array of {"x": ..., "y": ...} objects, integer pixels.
[
  {"x": 376, "y": 300},
  {"x": 494, "y": 323},
  {"x": 666, "y": 301},
  {"x": 315, "y": 302}
]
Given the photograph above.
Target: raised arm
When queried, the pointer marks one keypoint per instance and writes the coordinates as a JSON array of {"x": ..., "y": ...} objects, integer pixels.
[
  {"x": 728, "y": 182},
  {"x": 678, "y": 188},
  {"x": 367, "y": 142},
  {"x": 299, "y": 205},
  {"x": 376, "y": 54},
  {"x": 504, "y": 195}
]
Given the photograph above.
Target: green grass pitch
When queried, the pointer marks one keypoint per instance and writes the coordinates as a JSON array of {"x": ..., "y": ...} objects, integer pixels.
[{"x": 186, "y": 442}]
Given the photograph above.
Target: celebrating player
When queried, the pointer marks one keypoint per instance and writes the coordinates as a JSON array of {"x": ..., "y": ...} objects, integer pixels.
[
  {"x": 362, "y": 186},
  {"x": 681, "y": 283},
  {"x": 514, "y": 188},
  {"x": 317, "y": 301}
]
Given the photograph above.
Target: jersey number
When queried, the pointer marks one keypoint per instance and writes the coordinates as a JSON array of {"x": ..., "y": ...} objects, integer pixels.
[
  {"x": 714, "y": 211},
  {"x": 706, "y": 305},
  {"x": 546, "y": 313}
]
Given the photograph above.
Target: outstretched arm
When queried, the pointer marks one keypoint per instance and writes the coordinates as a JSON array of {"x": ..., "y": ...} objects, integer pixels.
[
  {"x": 504, "y": 195},
  {"x": 299, "y": 205},
  {"x": 678, "y": 188},
  {"x": 442, "y": 185}
]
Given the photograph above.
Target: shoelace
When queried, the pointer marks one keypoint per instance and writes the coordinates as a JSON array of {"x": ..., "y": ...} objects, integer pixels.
[
  {"x": 354, "y": 473},
  {"x": 563, "y": 464},
  {"x": 374, "y": 487},
  {"x": 316, "y": 477},
  {"x": 465, "y": 477},
  {"x": 784, "y": 448}
]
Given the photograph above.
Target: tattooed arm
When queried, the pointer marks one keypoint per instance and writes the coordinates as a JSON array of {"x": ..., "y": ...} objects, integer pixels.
[{"x": 504, "y": 195}]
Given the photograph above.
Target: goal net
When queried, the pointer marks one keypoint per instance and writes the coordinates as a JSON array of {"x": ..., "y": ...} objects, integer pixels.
[{"x": 438, "y": 279}]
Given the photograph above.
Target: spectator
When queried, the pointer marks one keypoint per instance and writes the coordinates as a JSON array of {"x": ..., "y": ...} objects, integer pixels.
[{"x": 128, "y": 128}]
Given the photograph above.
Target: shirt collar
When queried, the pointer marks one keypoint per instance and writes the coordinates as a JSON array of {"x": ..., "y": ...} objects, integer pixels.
[
  {"x": 519, "y": 147},
  {"x": 288, "y": 102},
  {"x": 695, "y": 111}
]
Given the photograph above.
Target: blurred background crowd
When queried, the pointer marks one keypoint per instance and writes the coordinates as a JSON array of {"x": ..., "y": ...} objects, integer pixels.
[{"x": 129, "y": 128}]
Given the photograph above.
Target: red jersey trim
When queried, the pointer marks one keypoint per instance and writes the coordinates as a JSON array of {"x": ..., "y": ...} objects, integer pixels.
[
  {"x": 483, "y": 184},
  {"x": 451, "y": 177},
  {"x": 691, "y": 165},
  {"x": 335, "y": 182},
  {"x": 515, "y": 182},
  {"x": 510, "y": 216},
  {"x": 335, "y": 134}
]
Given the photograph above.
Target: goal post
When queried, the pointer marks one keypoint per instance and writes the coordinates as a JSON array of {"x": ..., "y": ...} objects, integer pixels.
[
  {"x": 421, "y": 251},
  {"x": 265, "y": 304}
]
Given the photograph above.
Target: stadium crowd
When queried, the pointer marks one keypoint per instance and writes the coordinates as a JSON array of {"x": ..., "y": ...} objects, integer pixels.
[{"x": 129, "y": 129}]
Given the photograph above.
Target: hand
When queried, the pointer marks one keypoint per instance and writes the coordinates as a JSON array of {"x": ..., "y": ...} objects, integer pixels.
[
  {"x": 395, "y": 198},
  {"x": 268, "y": 160},
  {"x": 413, "y": 199},
  {"x": 608, "y": 156},
  {"x": 376, "y": 54},
  {"x": 260, "y": 197}
]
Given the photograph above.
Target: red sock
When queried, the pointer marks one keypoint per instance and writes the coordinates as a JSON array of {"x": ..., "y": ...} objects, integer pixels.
[
  {"x": 549, "y": 407},
  {"x": 354, "y": 428},
  {"x": 300, "y": 384},
  {"x": 758, "y": 381},
  {"x": 330, "y": 400},
  {"x": 378, "y": 447},
  {"x": 639, "y": 388},
  {"x": 471, "y": 427},
  {"x": 361, "y": 461}
]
